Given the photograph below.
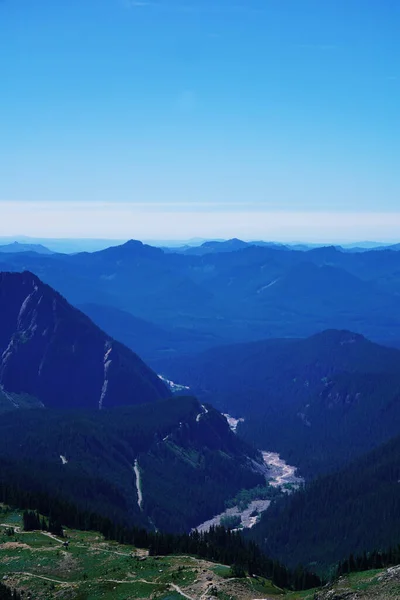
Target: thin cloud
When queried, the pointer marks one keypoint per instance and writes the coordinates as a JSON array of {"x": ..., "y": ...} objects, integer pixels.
[
  {"x": 124, "y": 220},
  {"x": 134, "y": 4},
  {"x": 321, "y": 47},
  {"x": 192, "y": 8}
]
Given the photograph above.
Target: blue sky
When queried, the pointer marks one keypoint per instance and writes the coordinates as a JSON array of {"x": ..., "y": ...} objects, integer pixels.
[{"x": 277, "y": 119}]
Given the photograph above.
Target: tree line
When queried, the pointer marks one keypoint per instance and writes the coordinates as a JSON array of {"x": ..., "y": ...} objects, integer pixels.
[
  {"x": 33, "y": 522},
  {"x": 219, "y": 544},
  {"x": 7, "y": 594},
  {"x": 368, "y": 561}
]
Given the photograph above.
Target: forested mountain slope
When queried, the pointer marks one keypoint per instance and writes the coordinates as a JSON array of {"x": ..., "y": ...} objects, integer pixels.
[
  {"x": 170, "y": 464},
  {"x": 351, "y": 511},
  {"x": 53, "y": 353},
  {"x": 320, "y": 401}
]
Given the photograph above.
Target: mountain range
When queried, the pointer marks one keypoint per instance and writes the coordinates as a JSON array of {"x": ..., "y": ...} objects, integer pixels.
[
  {"x": 17, "y": 247},
  {"x": 216, "y": 246},
  {"x": 274, "y": 337},
  {"x": 249, "y": 294}
]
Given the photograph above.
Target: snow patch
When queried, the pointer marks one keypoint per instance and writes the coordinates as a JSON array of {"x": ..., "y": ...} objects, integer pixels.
[
  {"x": 138, "y": 485},
  {"x": 8, "y": 396},
  {"x": 174, "y": 387},
  {"x": 204, "y": 411},
  {"x": 232, "y": 422},
  {"x": 25, "y": 303},
  {"x": 63, "y": 460},
  {"x": 270, "y": 284},
  {"x": 103, "y": 393},
  {"x": 107, "y": 364}
]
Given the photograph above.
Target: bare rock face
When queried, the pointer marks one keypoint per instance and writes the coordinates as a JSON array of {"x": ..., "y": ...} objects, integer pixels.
[{"x": 52, "y": 351}]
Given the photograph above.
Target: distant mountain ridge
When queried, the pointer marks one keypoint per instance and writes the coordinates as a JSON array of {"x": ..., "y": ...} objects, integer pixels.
[
  {"x": 254, "y": 292},
  {"x": 149, "y": 340},
  {"x": 17, "y": 247},
  {"x": 215, "y": 247},
  {"x": 54, "y": 353}
]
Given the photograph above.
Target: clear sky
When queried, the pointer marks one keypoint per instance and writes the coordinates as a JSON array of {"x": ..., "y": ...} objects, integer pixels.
[{"x": 274, "y": 119}]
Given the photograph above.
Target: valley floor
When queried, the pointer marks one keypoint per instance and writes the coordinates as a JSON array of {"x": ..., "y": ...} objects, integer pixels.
[
  {"x": 280, "y": 473},
  {"x": 277, "y": 472},
  {"x": 248, "y": 516}
]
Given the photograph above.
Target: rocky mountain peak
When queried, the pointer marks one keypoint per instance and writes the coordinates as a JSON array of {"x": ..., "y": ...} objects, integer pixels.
[{"x": 52, "y": 351}]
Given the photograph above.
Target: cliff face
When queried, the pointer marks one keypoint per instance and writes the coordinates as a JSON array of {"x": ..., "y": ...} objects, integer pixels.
[{"x": 52, "y": 351}]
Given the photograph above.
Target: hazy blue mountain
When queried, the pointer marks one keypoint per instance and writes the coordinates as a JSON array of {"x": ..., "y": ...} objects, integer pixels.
[
  {"x": 319, "y": 401},
  {"x": 395, "y": 247},
  {"x": 149, "y": 340},
  {"x": 53, "y": 352},
  {"x": 242, "y": 295},
  {"x": 64, "y": 245},
  {"x": 365, "y": 245},
  {"x": 16, "y": 247},
  {"x": 217, "y": 246}
]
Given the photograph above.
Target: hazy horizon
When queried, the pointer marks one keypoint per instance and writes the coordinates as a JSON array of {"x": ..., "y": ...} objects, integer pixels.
[
  {"x": 194, "y": 241},
  {"x": 174, "y": 222}
]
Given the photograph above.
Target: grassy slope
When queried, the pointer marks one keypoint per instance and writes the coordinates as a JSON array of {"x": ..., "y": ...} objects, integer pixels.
[
  {"x": 381, "y": 584},
  {"x": 93, "y": 569}
]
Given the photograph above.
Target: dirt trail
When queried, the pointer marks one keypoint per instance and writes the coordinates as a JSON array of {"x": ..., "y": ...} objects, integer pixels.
[
  {"x": 20, "y": 531},
  {"x": 207, "y": 582},
  {"x": 50, "y": 535},
  {"x": 16, "y": 528},
  {"x": 97, "y": 549},
  {"x": 43, "y": 577},
  {"x": 181, "y": 592},
  {"x": 117, "y": 581}
]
